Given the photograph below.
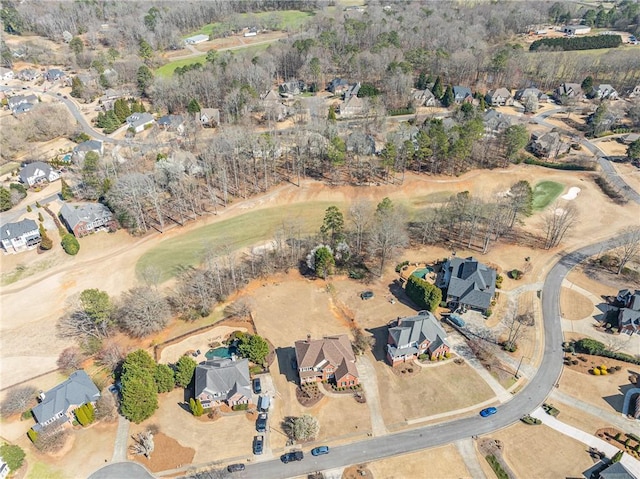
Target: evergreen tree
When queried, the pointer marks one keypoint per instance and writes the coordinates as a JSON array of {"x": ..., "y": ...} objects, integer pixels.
[
  {"x": 438, "y": 89},
  {"x": 324, "y": 262},
  {"x": 193, "y": 107},
  {"x": 449, "y": 98},
  {"x": 76, "y": 45},
  {"x": 332, "y": 228},
  {"x": 65, "y": 190},
  {"x": 184, "y": 371},
  {"x": 139, "y": 389},
  {"x": 144, "y": 78},
  {"x": 421, "y": 82},
  {"x": 332, "y": 113},
  {"x": 516, "y": 137},
  {"x": 145, "y": 51},
  {"x": 45, "y": 242},
  {"x": 254, "y": 347},
  {"x": 77, "y": 88},
  {"x": 121, "y": 109},
  {"x": 587, "y": 85},
  {"x": 633, "y": 151},
  {"x": 5, "y": 199},
  {"x": 165, "y": 379}
]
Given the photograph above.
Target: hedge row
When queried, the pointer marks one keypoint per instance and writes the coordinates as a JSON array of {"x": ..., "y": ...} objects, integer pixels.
[
  {"x": 559, "y": 166},
  {"x": 578, "y": 43}
]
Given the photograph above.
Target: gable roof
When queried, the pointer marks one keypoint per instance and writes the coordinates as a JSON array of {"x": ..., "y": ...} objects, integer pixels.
[
  {"x": 331, "y": 350},
  {"x": 16, "y": 230},
  {"x": 461, "y": 92},
  {"x": 223, "y": 378},
  {"x": 30, "y": 169},
  {"x": 570, "y": 89},
  {"x": 472, "y": 282},
  {"x": 89, "y": 145},
  {"x": 495, "y": 120},
  {"x": 88, "y": 213},
  {"x": 77, "y": 390},
  {"x": 617, "y": 470},
  {"x": 499, "y": 93},
  {"x": 138, "y": 119},
  {"x": 413, "y": 331},
  {"x": 170, "y": 120},
  {"x": 210, "y": 114}
]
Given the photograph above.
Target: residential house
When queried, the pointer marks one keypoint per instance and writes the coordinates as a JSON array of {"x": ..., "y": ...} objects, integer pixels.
[
  {"x": 351, "y": 91},
  {"x": 58, "y": 404},
  {"x": 22, "y": 108},
  {"x": 6, "y": 74},
  {"x": 353, "y": 106},
  {"x": 28, "y": 74},
  {"x": 4, "y": 468},
  {"x": 616, "y": 470},
  {"x": 139, "y": 121},
  {"x": 329, "y": 359},
  {"x": 521, "y": 95},
  {"x": 568, "y": 90},
  {"x": 604, "y": 91},
  {"x": 415, "y": 336},
  {"x": 424, "y": 98},
  {"x": 19, "y": 236},
  {"x": 15, "y": 101},
  {"x": 576, "y": 29},
  {"x": 499, "y": 97},
  {"x": 630, "y": 138},
  {"x": 635, "y": 93},
  {"x": 67, "y": 36},
  {"x": 81, "y": 149},
  {"x": 548, "y": 145},
  {"x": 223, "y": 381},
  {"x": 273, "y": 107},
  {"x": 338, "y": 86},
  {"x": 629, "y": 314},
  {"x": 495, "y": 122},
  {"x": 462, "y": 94},
  {"x": 172, "y": 123},
  {"x": 87, "y": 218},
  {"x": 196, "y": 39},
  {"x": 209, "y": 117},
  {"x": 469, "y": 283},
  {"x": 252, "y": 32},
  {"x": 291, "y": 88},
  {"x": 54, "y": 74},
  {"x": 37, "y": 172}
]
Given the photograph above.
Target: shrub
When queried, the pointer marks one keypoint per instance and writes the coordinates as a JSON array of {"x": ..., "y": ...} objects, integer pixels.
[
  {"x": 447, "y": 355},
  {"x": 29, "y": 209},
  {"x": 603, "y": 372},
  {"x": 38, "y": 205},
  {"x": 559, "y": 166},
  {"x": 596, "y": 371},
  {"x": 578, "y": 43},
  {"x": 497, "y": 468},
  {"x": 423, "y": 293},
  {"x": 26, "y": 415},
  {"x": 516, "y": 274},
  {"x": 422, "y": 357},
  {"x": 33, "y": 435},
  {"x": 70, "y": 244},
  {"x": 240, "y": 407},
  {"x": 399, "y": 266},
  {"x": 488, "y": 313}
]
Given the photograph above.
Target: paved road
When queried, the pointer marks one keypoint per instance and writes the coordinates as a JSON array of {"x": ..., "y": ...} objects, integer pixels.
[{"x": 446, "y": 433}]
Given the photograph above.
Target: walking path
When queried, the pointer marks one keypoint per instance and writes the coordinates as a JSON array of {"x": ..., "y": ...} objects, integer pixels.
[
  {"x": 595, "y": 299},
  {"x": 467, "y": 451},
  {"x": 369, "y": 381},
  {"x": 610, "y": 450},
  {"x": 120, "y": 445},
  {"x": 618, "y": 420}
]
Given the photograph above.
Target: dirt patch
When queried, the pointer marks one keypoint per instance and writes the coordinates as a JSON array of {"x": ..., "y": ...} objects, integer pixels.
[
  {"x": 357, "y": 472},
  {"x": 574, "y": 305},
  {"x": 167, "y": 454}
]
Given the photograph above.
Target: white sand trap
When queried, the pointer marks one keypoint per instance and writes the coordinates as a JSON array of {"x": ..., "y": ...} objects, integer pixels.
[
  {"x": 572, "y": 194},
  {"x": 559, "y": 211}
]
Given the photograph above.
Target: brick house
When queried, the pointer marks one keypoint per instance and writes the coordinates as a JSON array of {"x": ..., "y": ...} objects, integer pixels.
[
  {"x": 87, "y": 218},
  {"x": 329, "y": 359},
  {"x": 414, "y": 336}
]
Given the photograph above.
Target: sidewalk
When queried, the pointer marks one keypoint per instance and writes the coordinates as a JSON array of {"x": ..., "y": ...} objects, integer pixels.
[{"x": 467, "y": 451}]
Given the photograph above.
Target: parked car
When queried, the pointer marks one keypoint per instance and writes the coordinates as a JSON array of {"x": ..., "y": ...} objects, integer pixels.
[
  {"x": 320, "y": 450},
  {"x": 366, "y": 294},
  {"x": 261, "y": 422},
  {"x": 258, "y": 445},
  {"x": 292, "y": 456},
  {"x": 235, "y": 467},
  {"x": 490, "y": 411},
  {"x": 257, "y": 387}
]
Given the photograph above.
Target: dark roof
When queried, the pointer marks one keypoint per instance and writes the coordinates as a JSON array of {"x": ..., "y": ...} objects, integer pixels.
[
  {"x": 16, "y": 230},
  {"x": 138, "y": 119},
  {"x": 472, "y": 282},
  {"x": 223, "y": 378},
  {"x": 32, "y": 168},
  {"x": 413, "y": 331},
  {"x": 89, "y": 145},
  {"x": 88, "y": 213},
  {"x": 616, "y": 471},
  {"x": 75, "y": 391},
  {"x": 461, "y": 92},
  {"x": 169, "y": 120}
]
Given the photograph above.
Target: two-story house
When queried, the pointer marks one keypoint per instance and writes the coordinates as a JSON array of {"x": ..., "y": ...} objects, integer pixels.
[
  {"x": 38, "y": 172},
  {"x": 139, "y": 121},
  {"x": 414, "y": 336},
  {"x": 87, "y": 218},
  {"x": 499, "y": 97},
  {"x": 222, "y": 381},
  {"x": 328, "y": 359},
  {"x": 469, "y": 283},
  {"x": 19, "y": 236}
]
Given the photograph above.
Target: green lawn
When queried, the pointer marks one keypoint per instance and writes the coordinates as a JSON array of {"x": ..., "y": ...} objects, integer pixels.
[
  {"x": 235, "y": 233},
  {"x": 544, "y": 193},
  {"x": 41, "y": 470},
  {"x": 280, "y": 20},
  {"x": 168, "y": 69}
]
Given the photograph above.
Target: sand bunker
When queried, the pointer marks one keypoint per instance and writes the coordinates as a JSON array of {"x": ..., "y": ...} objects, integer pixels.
[
  {"x": 572, "y": 194},
  {"x": 559, "y": 211}
]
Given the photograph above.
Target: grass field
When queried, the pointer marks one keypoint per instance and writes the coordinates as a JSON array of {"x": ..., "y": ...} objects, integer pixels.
[
  {"x": 41, "y": 470},
  {"x": 8, "y": 167},
  {"x": 168, "y": 69},
  {"x": 544, "y": 193},
  {"x": 280, "y": 20},
  {"x": 235, "y": 233}
]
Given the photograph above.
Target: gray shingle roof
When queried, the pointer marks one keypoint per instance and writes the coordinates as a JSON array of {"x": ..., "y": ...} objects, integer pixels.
[
  {"x": 137, "y": 119},
  {"x": 461, "y": 92},
  {"x": 15, "y": 230},
  {"x": 472, "y": 282},
  {"x": 223, "y": 378},
  {"x": 413, "y": 331},
  {"x": 29, "y": 170},
  {"x": 89, "y": 145},
  {"x": 88, "y": 212},
  {"x": 616, "y": 471},
  {"x": 75, "y": 391}
]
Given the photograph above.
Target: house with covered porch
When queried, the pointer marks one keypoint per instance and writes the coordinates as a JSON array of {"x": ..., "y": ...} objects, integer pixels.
[{"x": 412, "y": 337}]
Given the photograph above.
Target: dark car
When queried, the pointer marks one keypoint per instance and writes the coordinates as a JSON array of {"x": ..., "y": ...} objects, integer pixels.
[
  {"x": 258, "y": 444},
  {"x": 261, "y": 422},
  {"x": 235, "y": 467},
  {"x": 366, "y": 294},
  {"x": 490, "y": 411},
  {"x": 292, "y": 456},
  {"x": 320, "y": 450},
  {"x": 257, "y": 387}
]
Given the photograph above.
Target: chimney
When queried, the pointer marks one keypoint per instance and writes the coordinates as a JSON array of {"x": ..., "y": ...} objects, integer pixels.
[
  {"x": 41, "y": 396},
  {"x": 308, "y": 338}
]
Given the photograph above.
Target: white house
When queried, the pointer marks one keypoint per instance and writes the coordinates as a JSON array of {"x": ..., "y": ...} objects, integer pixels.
[
  {"x": 209, "y": 117},
  {"x": 38, "y": 172},
  {"x": 605, "y": 91},
  {"x": 138, "y": 121},
  {"x": 576, "y": 29},
  {"x": 6, "y": 74},
  {"x": 19, "y": 236},
  {"x": 80, "y": 150},
  {"x": 196, "y": 39}
]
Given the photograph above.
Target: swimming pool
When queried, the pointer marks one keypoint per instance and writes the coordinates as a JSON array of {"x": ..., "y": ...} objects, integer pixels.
[
  {"x": 219, "y": 353},
  {"x": 422, "y": 272}
]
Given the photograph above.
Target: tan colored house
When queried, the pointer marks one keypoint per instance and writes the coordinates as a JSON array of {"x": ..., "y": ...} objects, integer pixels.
[{"x": 328, "y": 359}]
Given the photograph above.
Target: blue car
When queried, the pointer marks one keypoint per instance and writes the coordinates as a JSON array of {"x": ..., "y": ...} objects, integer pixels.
[
  {"x": 490, "y": 411},
  {"x": 319, "y": 451}
]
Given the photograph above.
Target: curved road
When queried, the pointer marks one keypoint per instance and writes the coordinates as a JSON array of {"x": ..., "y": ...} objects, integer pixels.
[{"x": 430, "y": 436}]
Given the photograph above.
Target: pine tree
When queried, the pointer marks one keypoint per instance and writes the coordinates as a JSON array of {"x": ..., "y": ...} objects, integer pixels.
[
  {"x": 332, "y": 113},
  {"x": 448, "y": 99},
  {"x": 121, "y": 109},
  {"x": 65, "y": 190},
  {"x": 193, "y": 107},
  {"x": 437, "y": 89},
  {"x": 421, "y": 83}
]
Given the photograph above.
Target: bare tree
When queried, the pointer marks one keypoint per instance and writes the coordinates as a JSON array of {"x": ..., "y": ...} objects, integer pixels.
[
  {"x": 18, "y": 400},
  {"x": 303, "y": 428},
  {"x": 111, "y": 355},
  {"x": 106, "y": 408},
  {"x": 143, "y": 445},
  {"x": 361, "y": 341},
  {"x": 361, "y": 217},
  {"x": 628, "y": 246},
  {"x": 143, "y": 311},
  {"x": 388, "y": 233},
  {"x": 70, "y": 359},
  {"x": 241, "y": 308},
  {"x": 557, "y": 221},
  {"x": 517, "y": 327},
  {"x": 51, "y": 441}
]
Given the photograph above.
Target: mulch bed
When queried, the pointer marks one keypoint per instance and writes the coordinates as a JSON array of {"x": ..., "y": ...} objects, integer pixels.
[
  {"x": 356, "y": 472},
  {"x": 609, "y": 433},
  {"x": 406, "y": 369},
  {"x": 308, "y": 399},
  {"x": 167, "y": 454},
  {"x": 586, "y": 362}
]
